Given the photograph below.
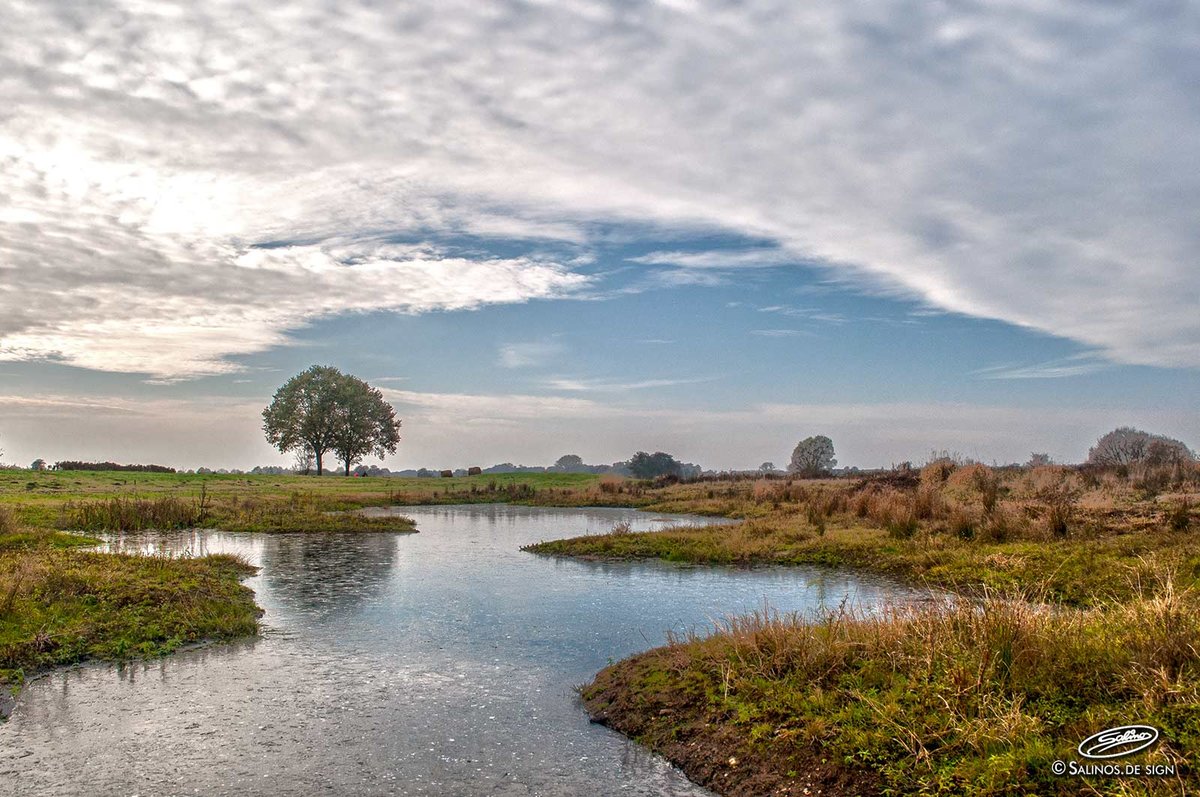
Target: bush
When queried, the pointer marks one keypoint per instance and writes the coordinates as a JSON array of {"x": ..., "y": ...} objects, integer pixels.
[{"x": 1179, "y": 517}]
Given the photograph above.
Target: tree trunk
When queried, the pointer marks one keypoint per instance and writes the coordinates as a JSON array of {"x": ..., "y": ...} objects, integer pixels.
[
  {"x": 319, "y": 454},
  {"x": 347, "y": 467}
]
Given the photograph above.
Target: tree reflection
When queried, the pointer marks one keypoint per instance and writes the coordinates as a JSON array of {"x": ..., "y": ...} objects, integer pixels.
[{"x": 327, "y": 572}]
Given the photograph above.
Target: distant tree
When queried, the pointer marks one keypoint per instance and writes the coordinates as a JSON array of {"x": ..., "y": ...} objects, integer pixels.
[
  {"x": 767, "y": 467},
  {"x": 1128, "y": 446},
  {"x": 813, "y": 456},
  {"x": 364, "y": 423},
  {"x": 38, "y": 464},
  {"x": 1039, "y": 460},
  {"x": 651, "y": 466},
  {"x": 569, "y": 463}
]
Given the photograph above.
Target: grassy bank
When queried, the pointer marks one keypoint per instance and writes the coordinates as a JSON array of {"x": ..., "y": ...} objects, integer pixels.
[
  {"x": 944, "y": 699},
  {"x": 60, "y": 604},
  {"x": 1099, "y": 627},
  {"x": 1075, "y": 539}
]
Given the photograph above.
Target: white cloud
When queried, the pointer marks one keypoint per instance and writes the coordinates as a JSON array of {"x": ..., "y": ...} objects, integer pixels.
[
  {"x": 781, "y": 333},
  {"x": 1020, "y": 160},
  {"x": 1054, "y": 369},
  {"x": 528, "y": 355},
  {"x": 614, "y": 386},
  {"x": 718, "y": 259}
]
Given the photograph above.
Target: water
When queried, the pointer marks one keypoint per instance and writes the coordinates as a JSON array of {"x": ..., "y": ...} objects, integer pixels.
[{"x": 438, "y": 663}]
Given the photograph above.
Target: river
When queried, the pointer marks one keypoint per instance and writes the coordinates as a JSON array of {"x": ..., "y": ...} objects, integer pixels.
[{"x": 438, "y": 663}]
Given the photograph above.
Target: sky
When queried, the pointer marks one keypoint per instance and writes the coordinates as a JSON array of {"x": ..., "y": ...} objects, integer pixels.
[{"x": 709, "y": 228}]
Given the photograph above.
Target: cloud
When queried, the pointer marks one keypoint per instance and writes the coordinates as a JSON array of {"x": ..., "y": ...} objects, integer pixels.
[
  {"x": 805, "y": 313},
  {"x": 527, "y": 355},
  {"x": 781, "y": 333},
  {"x": 138, "y": 313},
  {"x": 1054, "y": 369},
  {"x": 718, "y": 259},
  {"x": 1019, "y": 160},
  {"x": 613, "y": 386}
]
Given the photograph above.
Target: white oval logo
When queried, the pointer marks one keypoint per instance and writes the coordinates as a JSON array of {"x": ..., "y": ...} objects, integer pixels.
[{"x": 1118, "y": 742}]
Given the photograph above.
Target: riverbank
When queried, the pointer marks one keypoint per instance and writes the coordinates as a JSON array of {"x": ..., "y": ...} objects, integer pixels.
[
  {"x": 1049, "y": 534},
  {"x": 959, "y": 698},
  {"x": 1084, "y": 616},
  {"x": 61, "y": 605}
]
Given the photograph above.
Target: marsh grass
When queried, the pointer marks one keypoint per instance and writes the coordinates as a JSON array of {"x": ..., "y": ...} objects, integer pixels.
[
  {"x": 121, "y": 513},
  {"x": 59, "y": 606},
  {"x": 1073, "y": 534},
  {"x": 954, "y": 697},
  {"x": 296, "y": 512}
]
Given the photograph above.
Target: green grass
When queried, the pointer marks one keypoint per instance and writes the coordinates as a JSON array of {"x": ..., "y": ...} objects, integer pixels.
[
  {"x": 1075, "y": 572},
  {"x": 104, "y": 500},
  {"x": 963, "y": 698},
  {"x": 1099, "y": 626},
  {"x": 60, "y": 605}
]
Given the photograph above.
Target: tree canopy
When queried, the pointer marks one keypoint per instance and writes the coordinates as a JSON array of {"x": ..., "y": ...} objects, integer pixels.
[
  {"x": 1128, "y": 446},
  {"x": 651, "y": 466},
  {"x": 322, "y": 410},
  {"x": 813, "y": 456}
]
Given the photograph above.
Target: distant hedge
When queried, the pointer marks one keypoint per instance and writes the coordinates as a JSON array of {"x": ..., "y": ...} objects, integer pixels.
[{"x": 73, "y": 465}]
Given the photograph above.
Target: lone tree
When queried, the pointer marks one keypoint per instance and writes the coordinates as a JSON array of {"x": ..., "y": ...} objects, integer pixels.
[
  {"x": 1128, "y": 446},
  {"x": 322, "y": 410},
  {"x": 813, "y": 456},
  {"x": 651, "y": 466}
]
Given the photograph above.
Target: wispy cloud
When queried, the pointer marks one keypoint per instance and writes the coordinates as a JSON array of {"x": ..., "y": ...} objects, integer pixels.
[
  {"x": 526, "y": 355},
  {"x": 782, "y": 333},
  {"x": 806, "y": 313},
  {"x": 618, "y": 386},
  {"x": 718, "y": 259},
  {"x": 1054, "y": 369}
]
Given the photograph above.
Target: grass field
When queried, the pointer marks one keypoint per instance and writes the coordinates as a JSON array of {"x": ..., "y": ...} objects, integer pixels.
[{"x": 50, "y": 499}]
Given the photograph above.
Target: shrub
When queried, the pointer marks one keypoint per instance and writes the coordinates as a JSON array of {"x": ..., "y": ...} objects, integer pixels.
[
  {"x": 8, "y": 521},
  {"x": 937, "y": 471},
  {"x": 1179, "y": 517},
  {"x": 979, "y": 480},
  {"x": 611, "y": 485},
  {"x": 961, "y": 523}
]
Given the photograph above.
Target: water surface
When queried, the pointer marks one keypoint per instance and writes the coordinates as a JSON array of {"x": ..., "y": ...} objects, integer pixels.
[{"x": 438, "y": 663}]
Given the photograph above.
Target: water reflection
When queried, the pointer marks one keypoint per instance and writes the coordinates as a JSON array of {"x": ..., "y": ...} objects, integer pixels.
[{"x": 327, "y": 572}]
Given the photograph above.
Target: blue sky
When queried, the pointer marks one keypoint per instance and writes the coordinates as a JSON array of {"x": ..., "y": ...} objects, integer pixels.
[{"x": 710, "y": 228}]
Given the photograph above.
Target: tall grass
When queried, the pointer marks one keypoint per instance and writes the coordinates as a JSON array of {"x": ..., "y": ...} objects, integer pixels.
[
  {"x": 133, "y": 514},
  {"x": 959, "y": 697}
]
